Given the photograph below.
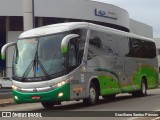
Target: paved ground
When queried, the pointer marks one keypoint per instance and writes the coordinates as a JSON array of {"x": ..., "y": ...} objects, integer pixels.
[
  {"x": 5, "y": 97},
  {"x": 6, "y": 102},
  {"x": 123, "y": 102}
]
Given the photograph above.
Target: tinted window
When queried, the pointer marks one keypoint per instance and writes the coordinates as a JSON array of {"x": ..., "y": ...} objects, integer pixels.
[
  {"x": 95, "y": 44},
  {"x": 123, "y": 45},
  {"x": 102, "y": 43},
  {"x": 141, "y": 48},
  {"x": 110, "y": 44},
  {"x": 77, "y": 46}
]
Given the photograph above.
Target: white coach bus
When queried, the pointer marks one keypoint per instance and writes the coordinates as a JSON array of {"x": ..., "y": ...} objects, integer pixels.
[{"x": 79, "y": 60}]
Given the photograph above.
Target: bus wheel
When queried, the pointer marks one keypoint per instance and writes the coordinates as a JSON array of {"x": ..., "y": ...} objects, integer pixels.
[
  {"x": 109, "y": 96},
  {"x": 48, "y": 105},
  {"x": 142, "y": 92},
  {"x": 93, "y": 95}
]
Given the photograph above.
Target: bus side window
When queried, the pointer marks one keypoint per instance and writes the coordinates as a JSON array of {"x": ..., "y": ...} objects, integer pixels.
[
  {"x": 80, "y": 50},
  {"x": 79, "y": 44},
  {"x": 95, "y": 42},
  {"x": 141, "y": 48},
  {"x": 110, "y": 44},
  {"x": 95, "y": 47},
  {"x": 123, "y": 46},
  {"x": 72, "y": 54}
]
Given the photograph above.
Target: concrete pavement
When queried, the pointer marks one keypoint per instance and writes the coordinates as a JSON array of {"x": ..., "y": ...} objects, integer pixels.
[
  {"x": 6, "y": 97},
  {"x": 6, "y": 102}
]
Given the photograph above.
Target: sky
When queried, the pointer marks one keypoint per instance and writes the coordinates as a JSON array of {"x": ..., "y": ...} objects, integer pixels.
[{"x": 146, "y": 11}]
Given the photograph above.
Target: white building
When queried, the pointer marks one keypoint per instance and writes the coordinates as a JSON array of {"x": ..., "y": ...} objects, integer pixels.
[
  {"x": 57, "y": 11},
  {"x": 157, "y": 40}
]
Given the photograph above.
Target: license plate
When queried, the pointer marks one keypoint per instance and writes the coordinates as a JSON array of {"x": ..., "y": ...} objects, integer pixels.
[{"x": 35, "y": 97}]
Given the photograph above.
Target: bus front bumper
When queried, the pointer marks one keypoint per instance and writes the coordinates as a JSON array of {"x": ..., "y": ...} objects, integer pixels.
[{"x": 58, "y": 94}]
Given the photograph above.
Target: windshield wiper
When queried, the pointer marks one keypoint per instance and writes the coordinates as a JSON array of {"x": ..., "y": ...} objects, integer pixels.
[
  {"x": 43, "y": 69},
  {"x": 27, "y": 71},
  {"x": 36, "y": 63}
]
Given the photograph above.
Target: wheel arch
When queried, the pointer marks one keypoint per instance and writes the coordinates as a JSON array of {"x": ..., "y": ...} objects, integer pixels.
[{"x": 94, "y": 79}]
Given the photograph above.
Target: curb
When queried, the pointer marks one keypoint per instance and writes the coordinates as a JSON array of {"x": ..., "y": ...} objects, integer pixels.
[{"x": 5, "y": 104}]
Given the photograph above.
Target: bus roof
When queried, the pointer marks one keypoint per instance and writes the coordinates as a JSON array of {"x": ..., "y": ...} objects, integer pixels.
[
  {"x": 51, "y": 29},
  {"x": 62, "y": 27}
]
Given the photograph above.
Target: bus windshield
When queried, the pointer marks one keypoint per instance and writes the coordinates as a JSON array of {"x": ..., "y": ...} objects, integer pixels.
[{"x": 38, "y": 57}]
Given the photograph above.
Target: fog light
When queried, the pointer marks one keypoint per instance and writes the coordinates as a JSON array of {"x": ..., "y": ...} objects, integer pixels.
[
  {"x": 60, "y": 94},
  {"x": 16, "y": 97}
]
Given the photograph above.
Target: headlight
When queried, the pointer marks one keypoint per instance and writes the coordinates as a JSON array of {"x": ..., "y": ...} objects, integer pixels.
[
  {"x": 15, "y": 87},
  {"x": 64, "y": 82},
  {"x": 61, "y": 83}
]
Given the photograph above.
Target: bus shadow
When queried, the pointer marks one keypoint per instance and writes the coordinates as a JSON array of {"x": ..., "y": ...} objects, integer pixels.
[{"x": 79, "y": 105}]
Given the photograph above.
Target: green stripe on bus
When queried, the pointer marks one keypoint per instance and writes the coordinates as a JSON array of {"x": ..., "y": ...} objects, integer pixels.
[
  {"x": 52, "y": 95},
  {"x": 109, "y": 85},
  {"x": 150, "y": 73},
  {"x": 107, "y": 70}
]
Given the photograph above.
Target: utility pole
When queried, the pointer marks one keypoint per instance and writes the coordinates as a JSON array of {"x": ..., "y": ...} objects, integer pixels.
[{"x": 28, "y": 14}]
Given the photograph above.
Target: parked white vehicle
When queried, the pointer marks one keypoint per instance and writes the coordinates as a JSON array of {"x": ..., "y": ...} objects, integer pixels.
[{"x": 5, "y": 83}]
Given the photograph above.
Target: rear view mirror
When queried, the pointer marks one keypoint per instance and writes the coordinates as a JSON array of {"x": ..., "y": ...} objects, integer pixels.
[
  {"x": 3, "y": 50},
  {"x": 65, "y": 41}
]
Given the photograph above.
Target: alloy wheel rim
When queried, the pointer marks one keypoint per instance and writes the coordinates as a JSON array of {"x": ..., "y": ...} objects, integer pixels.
[
  {"x": 92, "y": 94},
  {"x": 143, "y": 88}
]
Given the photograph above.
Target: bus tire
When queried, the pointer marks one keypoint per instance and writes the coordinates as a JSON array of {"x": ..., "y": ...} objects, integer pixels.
[
  {"x": 48, "y": 105},
  {"x": 143, "y": 91},
  {"x": 93, "y": 95}
]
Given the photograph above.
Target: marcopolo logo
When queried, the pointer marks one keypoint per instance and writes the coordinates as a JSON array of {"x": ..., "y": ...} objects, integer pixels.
[
  {"x": 101, "y": 12},
  {"x": 105, "y": 13}
]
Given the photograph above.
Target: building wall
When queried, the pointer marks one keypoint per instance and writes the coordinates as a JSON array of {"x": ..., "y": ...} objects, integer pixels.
[
  {"x": 77, "y": 9},
  {"x": 11, "y": 7},
  {"x": 157, "y": 40},
  {"x": 141, "y": 28},
  {"x": 81, "y": 9}
]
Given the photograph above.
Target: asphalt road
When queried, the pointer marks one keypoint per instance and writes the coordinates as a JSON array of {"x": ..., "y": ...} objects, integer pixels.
[
  {"x": 122, "y": 102},
  {"x": 5, "y": 93},
  {"x": 5, "y": 90}
]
